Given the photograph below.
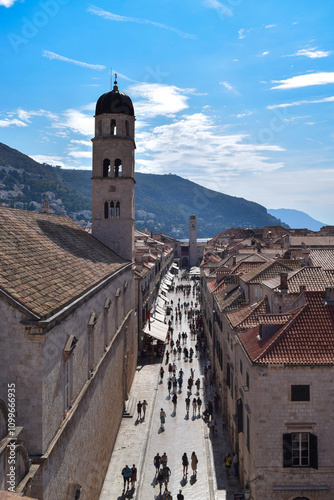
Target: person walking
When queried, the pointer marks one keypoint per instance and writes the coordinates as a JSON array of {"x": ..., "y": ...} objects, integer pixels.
[
  {"x": 133, "y": 476},
  {"x": 139, "y": 407},
  {"x": 199, "y": 405},
  {"x": 174, "y": 401},
  {"x": 169, "y": 385},
  {"x": 160, "y": 479},
  {"x": 194, "y": 407},
  {"x": 156, "y": 462},
  {"x": 162, "y": 418},
  {"x": 144, "y": 406},
  {"x": 126, "y": 473},
  {"x": 166, "y": 473},
  {"x": 180, "y": 381},
  {"x": 187, "y": 400},
  {"x": 164, "y": 459},
  {"x": 162, "y": 371},
  {"x": 198, "y": 384},
  {"x": 228, "y": 462},
  {"x": 190, "y": 383},
  {"x": 194, "y": 462},
  {"x": 169, "y": 495},
  {"x": 180, "y": 496},
  {"x": 185, "y": 463}
]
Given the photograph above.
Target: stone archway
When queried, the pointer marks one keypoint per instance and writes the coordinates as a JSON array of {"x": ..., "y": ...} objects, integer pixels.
[{"x": 184, "y": 262}]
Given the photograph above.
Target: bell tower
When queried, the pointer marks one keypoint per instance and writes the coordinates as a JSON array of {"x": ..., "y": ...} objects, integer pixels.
[
  {"x": 113, "y": 173},
  {"x": 192, "y": 241}
]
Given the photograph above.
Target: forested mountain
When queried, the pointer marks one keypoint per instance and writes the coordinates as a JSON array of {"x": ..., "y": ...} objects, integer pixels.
[{"x": 163, "y": 203}]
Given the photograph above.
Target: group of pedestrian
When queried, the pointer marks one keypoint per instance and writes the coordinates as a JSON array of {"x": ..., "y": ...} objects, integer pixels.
[
  {"x": 141, "y": 406},
  {"x": 129, "y": 474},
  {"x": 162, "y": 471},
  {"x": 229, "y": 461}
]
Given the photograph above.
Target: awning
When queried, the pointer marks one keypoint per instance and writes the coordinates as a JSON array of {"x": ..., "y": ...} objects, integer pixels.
[
  {"x": 195, "y": 271},
  {"x": 157, "y": 315},
  {"x": 167, "y": 282},
  {"x": 174, "y": 265},
  {"x": 160, "y": 304},
  {"x": 163, "y": 298},
  {"x": 158, "y": 329},
  {"x": 164, "y": 287},
  {"x": 160, "y": 309},
  {"x": 169, "y": 276}
]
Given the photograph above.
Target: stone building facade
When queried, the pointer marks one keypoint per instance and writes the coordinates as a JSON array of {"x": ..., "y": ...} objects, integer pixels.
[{"x": 69, "y": 346}]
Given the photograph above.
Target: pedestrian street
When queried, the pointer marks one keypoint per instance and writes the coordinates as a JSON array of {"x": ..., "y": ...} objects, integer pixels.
[{"x": 139, "y": 441}]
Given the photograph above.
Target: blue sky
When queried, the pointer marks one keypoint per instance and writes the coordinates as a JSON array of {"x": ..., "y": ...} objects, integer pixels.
[{"x": 237, "y": 96}]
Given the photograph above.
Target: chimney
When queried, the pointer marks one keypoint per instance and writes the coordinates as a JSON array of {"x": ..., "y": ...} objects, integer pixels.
[
  {"x": 234, "y": 260},
  {"x": 329, "y": 295},
  {"x": 302, "y": 288},
  {"x": 284, "y": 282}
]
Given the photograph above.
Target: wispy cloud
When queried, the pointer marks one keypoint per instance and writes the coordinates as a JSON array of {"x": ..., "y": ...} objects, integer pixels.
[
  {"x": 312, "y": 53},
  {"x": 115, "y": 17},
  {"x": 299, "y": 103},
  {"x": 322, "y": 78},
  {"x": 157, "y": 99},
  {"x": 214, "y": 4},
  {"x": 229, "y": 87},
  {"x": 9, "y": 122},
  {"x": 194, "y": 147},
  {"x": 53, "y": 55},
  {"x": 271, "y": 26},
  {"x": 265, "y": 53},
  {"x": 52, "y": 160},
  {"x": 243, "y": 33},
  {"x": 7, "y": 3}
]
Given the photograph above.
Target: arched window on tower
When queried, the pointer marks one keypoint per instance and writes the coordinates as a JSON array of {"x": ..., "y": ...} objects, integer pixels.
[
  {"x": 127, "y": 128},
  {"x": 106, "y": 167},
  {"x": 118, "y": 167},
  {"x": 112, "y": 210},
  {"x": 118, "y": 210},
  {"x": 100, "y": 128},
  {"x": 106, "y": 211},
  {"x": 113, "y": 127}
]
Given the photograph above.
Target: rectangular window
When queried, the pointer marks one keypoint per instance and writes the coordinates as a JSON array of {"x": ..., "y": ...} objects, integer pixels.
[
  {"x": 228, "y": 375},
  {"x": 300, "y": 449},
  {"x": 300, "y": 393},
  {"x": 240, "y": 366},
  {"x": 240, "y": 415},
  {"x": 67, "y": 385},
  {"x": 247, "y": 379},
  {"x": 248, "y": 437}
]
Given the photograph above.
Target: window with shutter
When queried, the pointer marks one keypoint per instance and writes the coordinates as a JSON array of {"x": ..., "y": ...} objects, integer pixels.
[
  {"x": 240, "y": 414},
  {"x": 287, "y": 450},
  {"x": 228, "y": 380},
  {"x": 300, "y": 449},
  {"x": 248, "y": 434},
  {"x": 313, "y": 451}
]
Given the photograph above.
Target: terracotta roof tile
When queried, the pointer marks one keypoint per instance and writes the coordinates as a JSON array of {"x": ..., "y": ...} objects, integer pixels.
[
  {"x": 265, "y": 271},
  {"x": 313, "y": 278},
  {"x": 46, "y": 261},
  {"x": 323, "y": 258},
  {"x": 307, "y": 338},
  {"x": 248, "y": 316}
]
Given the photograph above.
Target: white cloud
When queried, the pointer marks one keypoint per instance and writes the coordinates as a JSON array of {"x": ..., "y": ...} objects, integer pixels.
[
  {"x": 245, "y": 113},
  {"x": 83, "y": 143},
  {"x": 159, "y": 99},
  {"x": 7, "y": 3},
  {"x": 77, "y": 121},
  {"x": 26, "y": 116},
  {"x": 115, "y": 17},
  {"x": 196, "y": 148},
  {"x": 243, "y": 33},
  {"x": 214, "y": 4},
  {"x": 53, "y": 55},
  {"x": 299, "y": 103},
  {"x": 14, "y": 121},
  {"x": 265, "y": 53},
  {"x": 80, "y": 154},
  {"x": 322, "y": 78},
  {"x": 229, "y": 87},
  {"x": 312, "y": 53},
  {"x": 51, "y": 160},
  {"x": 270, "y": 26}
]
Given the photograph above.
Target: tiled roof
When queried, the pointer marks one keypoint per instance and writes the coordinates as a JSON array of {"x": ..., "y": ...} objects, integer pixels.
[
  {"x": 314, "y": 241},
  {"x": 265, "y": 271},
  {"x": 248, "y": 316},
  {"x": 245, "y": 267},
  {"x": 307, "y": 338},
  {"x": 323, "y": 258},
  {"x": 47, "y": 260},
  {"x": 313, "y": 278},
  {"x": 230, "y": 301}
]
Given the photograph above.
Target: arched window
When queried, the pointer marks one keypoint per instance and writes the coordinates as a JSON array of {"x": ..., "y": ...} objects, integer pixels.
[
  {"x": 118, "y": 210},
  {"x": 112, "y": 210},
  {"x": 127, "y": 128},
  {"x": 106, "y": 167},
  {"x": 100, "y": 127},
  {"x": 113, "y": 127},
  {"x": 106, "y": 210},
  {"x": 118, "y": 167}
]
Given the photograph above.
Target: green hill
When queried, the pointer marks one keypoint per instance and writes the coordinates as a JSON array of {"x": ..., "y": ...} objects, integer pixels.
[{"x": 164, "y": 203}]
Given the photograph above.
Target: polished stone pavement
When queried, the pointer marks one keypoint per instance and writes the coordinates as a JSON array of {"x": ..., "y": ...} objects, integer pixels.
[{"x": 138, "y": 441}]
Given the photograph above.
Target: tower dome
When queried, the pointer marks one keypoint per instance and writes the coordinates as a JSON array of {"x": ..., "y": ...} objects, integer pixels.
[{"x": 115, "y": 102}]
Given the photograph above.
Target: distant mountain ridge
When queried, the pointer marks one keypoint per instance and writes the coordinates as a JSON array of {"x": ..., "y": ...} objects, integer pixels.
[
  {"x": 163, "y": 203},
  {"x": 296, "y": 218}
]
